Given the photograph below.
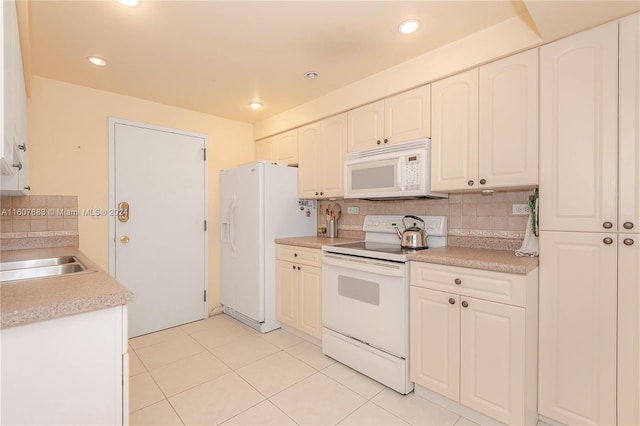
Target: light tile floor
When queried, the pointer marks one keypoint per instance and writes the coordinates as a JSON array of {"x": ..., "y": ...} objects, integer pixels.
[{"x": 219, "y": 371}]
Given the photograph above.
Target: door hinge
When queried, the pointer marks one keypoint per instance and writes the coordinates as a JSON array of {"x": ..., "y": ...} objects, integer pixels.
[
  {"x": 205, "y": 153},
  {"x": 205, "y": 225},
  {"x": 205, "y": 295}
]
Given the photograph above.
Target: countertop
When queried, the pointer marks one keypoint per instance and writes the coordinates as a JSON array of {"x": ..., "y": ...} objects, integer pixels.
[
  {"x": 476, "y": 258},
  {"x": 314, "y": 241},
  {"x": 487, "y": 259},
  {"x": 26, "y": 301}
]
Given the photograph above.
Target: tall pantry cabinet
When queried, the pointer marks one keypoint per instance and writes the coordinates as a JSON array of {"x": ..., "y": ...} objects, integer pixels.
[{"x": 589, "y": 354}]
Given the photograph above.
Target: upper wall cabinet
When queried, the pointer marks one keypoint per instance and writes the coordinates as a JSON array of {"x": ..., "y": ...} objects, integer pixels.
[
  {"x": 282, "y": 148},
  {"x": 14, "y": 165},
  {"x": 485, "y": 126},
  {"x": 322, "y": 148},
  {"x": 579, "y": 132},
  {"x": 399, "y": 118}
]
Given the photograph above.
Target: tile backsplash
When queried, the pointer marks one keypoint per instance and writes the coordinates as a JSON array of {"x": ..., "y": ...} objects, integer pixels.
[
  {"x": 38, "y": 221},
  {"x": 475, "y": 220}
]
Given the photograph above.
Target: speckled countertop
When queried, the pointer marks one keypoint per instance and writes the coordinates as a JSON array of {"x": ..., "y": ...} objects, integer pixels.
[
  {"x": 26, "y": 301},
  {"x": 477, "y": 258},
  {"x": 314, "y": 242}
]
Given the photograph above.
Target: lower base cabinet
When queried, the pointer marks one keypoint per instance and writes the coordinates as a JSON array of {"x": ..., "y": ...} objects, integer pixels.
[
  {"x": 68, "y": 370},
  {"x": 474, "y": 339},
  {"x": 299, "y": 289}
]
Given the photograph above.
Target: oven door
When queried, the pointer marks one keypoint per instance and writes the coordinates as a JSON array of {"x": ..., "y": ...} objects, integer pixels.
[{"x": 368, "y": 300}]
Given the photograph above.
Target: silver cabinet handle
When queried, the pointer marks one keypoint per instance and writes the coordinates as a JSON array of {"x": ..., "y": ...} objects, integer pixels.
[
  {"x": 628, "y": 225},
  {"x": 452, "y": 301},
  {"x": 607, "y": 240},
  {"x": 458, "y": 281},
  {"x": 465, "y": 304},
  {"x": 483, "y": 181},
  {"x": 628, "y": 241},
  {"x": 607, "y": 225},
  {"x": 470, "y": 183}
]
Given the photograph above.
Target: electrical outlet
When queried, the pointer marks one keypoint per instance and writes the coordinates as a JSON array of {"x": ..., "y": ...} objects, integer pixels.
[
  {"x": 520, "y": 209},
  {"x": 353, "y": 210}
]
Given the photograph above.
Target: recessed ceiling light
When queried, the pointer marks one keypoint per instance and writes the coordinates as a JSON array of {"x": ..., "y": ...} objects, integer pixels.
[
  {"x": 129, "y": 3},
  {"x": 255, "y": 105},
  {"x": 409, "y": 26},
  {"x": 311, "y": 75},
  {"x": 97, "y": 61}
]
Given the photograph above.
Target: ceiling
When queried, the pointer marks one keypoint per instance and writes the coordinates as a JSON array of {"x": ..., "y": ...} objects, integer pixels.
[{"x": 217, "y": 56}]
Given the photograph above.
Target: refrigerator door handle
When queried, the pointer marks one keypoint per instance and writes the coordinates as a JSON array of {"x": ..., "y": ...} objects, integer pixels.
[{"x": 232, "y": 207}]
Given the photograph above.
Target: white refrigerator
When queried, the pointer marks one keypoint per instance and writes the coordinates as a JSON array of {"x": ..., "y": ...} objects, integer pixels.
[{"x": 258, "y": 203}]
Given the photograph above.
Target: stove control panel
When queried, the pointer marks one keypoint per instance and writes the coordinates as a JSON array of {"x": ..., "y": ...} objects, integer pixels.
[{"x": 387, "y": 224}]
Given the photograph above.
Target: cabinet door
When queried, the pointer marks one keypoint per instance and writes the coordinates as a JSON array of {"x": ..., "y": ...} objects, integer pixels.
[
  {"x": 508, "y": 132},
  {"x": 287, "y": 147},
  {"x": 435, "y": 341},
  {"x": 629, "y": 329},
  {"x": 577, "y": 353},
  {"x": 407, "y": 115},
  {"x": 310, "y": 139},
  {"x": 492, "y": 344},
  {"x": 365, "y": 127},
  {"x": 265, "y": 149},
  {"x": 454, "y": 130},
  {"x": 629, "y": 116},
  {"x": 334, "y": 138},
  {"x": 579, "y": 131},
  {"x": 286, "y": 294},
  {"x": 310, "y": 299}
]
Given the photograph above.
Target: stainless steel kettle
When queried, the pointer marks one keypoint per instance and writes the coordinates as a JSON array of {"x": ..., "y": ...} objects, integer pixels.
[{"x": 414, "y": 236}]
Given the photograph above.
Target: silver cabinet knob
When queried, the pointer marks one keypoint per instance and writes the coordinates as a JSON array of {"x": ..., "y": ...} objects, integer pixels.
[
  {"x": 465, "y": 304},
  {"x": 470, "y": 183},
  {"x": 628, "y": 225},
  {"x": 607, "y": 240},
  {"x": 452, "y": 301},
  {"x": 458, "y": 281},
  {"x": 483, "y": 181},
  {"x": 628, "y": 241},
  {"x": 607, "y": 225}
]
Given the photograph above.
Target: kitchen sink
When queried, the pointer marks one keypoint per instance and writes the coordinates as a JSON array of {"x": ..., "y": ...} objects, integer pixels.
[{"x": 40, "y": 268}]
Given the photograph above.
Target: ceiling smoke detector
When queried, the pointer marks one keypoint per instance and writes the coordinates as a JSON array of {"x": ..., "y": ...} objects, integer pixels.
[
  {"x": 409, "y": 26},
  {"x": 311, "y": 75}
]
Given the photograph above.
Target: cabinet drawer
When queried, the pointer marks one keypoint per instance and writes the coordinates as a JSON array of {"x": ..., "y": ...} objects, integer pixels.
[
  {"x": 487, "y": 285},
  {"x": 301, "y": 255}
]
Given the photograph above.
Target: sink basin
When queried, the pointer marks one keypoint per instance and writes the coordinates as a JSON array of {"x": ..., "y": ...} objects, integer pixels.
[{"x": 40, "y": 268}]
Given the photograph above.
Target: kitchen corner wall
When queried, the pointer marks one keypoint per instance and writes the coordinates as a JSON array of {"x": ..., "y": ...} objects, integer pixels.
[
  {"x": 69, "y": 155},
  {"x": 475, "y": 220}
]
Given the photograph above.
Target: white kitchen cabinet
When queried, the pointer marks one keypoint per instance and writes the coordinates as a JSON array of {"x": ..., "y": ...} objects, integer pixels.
[
  {"x": 454, "y": 142},
  {"x": 68, "y": 370},
  {"x": 399, "y": 118},
  {"x": 629, "y": 224},
  {"x": 299, "y": 288},
  {"x": 578, "y": 294},
  {"x": 321, "y": 152},
  {"x": 485, "y": 126},
  {"x": 474, "y": 339},
  {"x": 579, "y": 131},
  {"x": 14, "y": 165},
  {"x": 281, "y": 148}
]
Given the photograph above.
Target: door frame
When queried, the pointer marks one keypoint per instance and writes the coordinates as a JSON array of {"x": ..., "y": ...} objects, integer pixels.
[{"x": 112, "y": 194}]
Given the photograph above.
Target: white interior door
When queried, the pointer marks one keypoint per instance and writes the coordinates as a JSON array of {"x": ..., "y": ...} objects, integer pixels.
[{"x": 159, "y": 253}]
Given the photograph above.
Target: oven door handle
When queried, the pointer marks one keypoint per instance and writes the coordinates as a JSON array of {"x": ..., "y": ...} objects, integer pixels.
[{"x": 392, "y": 269}]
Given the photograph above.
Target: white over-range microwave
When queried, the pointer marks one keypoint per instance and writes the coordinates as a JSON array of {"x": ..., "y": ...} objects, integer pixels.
[{"x": 396, "y": 171}]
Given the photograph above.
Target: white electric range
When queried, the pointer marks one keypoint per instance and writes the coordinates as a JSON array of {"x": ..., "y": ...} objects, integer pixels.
[{"x": 365, "y": 300}]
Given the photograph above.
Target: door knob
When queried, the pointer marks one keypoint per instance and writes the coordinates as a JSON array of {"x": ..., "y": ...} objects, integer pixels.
[
  {"x": 123, "y": 211},
  {"x": 124, "y": 239}
]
